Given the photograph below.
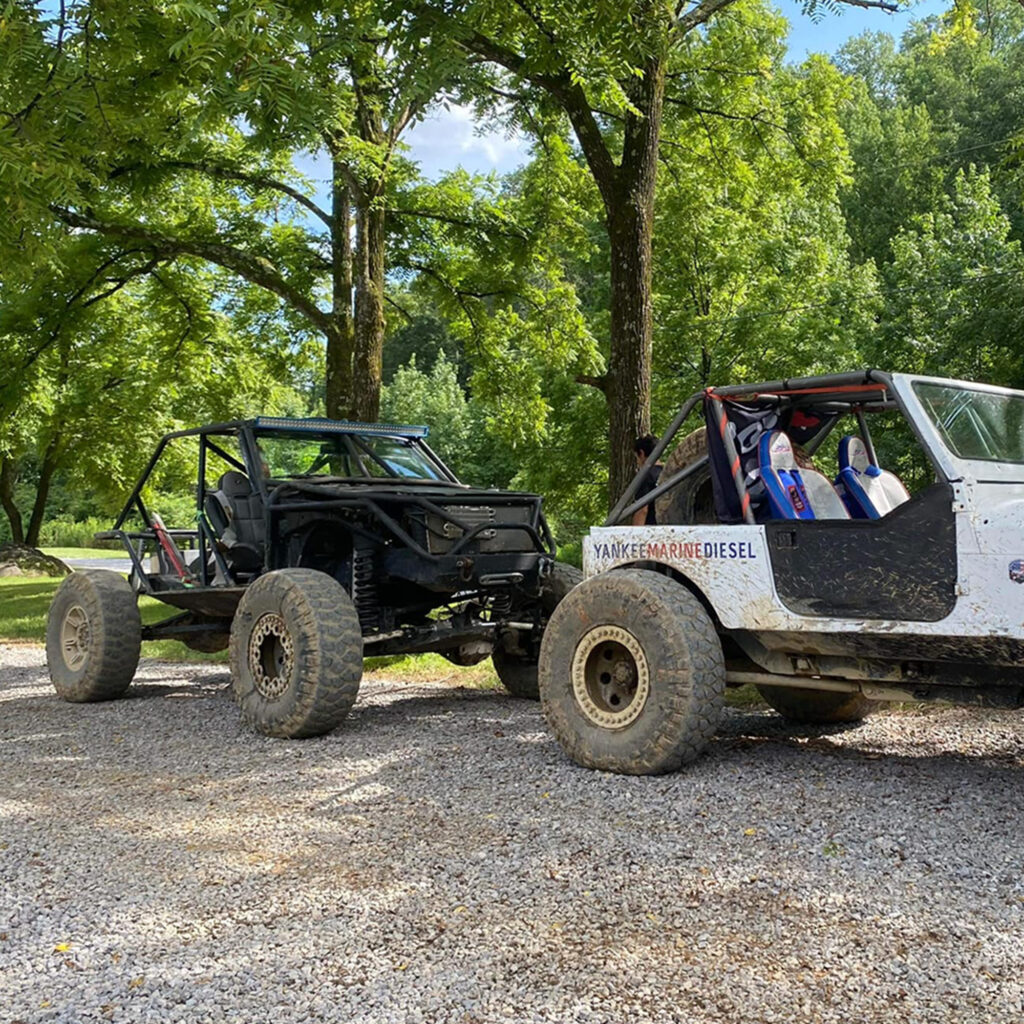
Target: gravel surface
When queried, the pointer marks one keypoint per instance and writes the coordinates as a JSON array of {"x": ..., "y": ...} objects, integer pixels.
[{"x": 437, "y": 859}]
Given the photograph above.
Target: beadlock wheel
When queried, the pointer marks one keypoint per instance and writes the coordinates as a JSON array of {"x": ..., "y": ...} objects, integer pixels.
[
  {"x": 631, "y": 673},
  {"x": 296, "y": 653},
  {"x": 611, "y": 679},
  {"x": 271, "y": 655},
  {"x": 75, "y": 637}
]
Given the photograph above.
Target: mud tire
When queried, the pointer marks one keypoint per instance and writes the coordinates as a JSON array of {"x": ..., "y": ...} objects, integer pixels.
[
  {"x": 99, "y": 662},
  {"x": 817, "y": 707},
  {"x": 296, "y": 653},
  {"x": 685, "y": 673},
  {"x": 518, "y": 672},
  {"x": 691, "y": 500}
]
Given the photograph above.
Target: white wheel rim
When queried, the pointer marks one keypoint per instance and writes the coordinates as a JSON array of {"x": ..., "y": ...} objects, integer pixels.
[
  {"x": 75, "y": 637},
  {"x": 271, "y": 655},
  {"x": 611, "y": 679}
]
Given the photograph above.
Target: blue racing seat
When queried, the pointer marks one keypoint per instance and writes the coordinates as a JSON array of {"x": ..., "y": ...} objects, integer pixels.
[
  {"x": 795, "y": 492},
  {"x": 868, "y": 491}
]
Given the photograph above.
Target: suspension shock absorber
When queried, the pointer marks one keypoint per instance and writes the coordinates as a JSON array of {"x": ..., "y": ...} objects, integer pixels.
[
  {"x": 364, "y": 590},
  {"x": 501, "y": 603}
]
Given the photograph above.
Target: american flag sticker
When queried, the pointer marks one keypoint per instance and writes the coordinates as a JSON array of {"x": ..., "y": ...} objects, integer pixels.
[{"x": 1017, "y": 570}]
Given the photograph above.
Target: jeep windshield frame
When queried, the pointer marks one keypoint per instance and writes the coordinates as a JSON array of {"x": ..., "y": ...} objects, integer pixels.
[{"x": 314, "y": 456}]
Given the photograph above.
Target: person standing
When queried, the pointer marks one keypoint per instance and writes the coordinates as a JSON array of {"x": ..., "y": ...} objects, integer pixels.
[{"x": 643, "y": 446}]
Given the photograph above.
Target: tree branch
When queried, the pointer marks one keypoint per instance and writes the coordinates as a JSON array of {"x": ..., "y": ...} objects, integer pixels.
[
  {"x": 569, "y": 94},
  {"x": 519, "y": 235},
  {"x": 700, "y": 14},
  {"x": 601, "y": 383},
  {"x": 256, "y": 269},
  {"x": 245, "y": 177},
  {"x": 401, "y": 309}
]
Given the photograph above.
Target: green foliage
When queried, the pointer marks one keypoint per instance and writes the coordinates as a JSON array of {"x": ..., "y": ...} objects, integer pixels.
[
  {"x": 954, "y": 292},
  {"x": 434, "y": 399},
  {"x": 948, "y": 99},
  {"x": 752, "y": 276},
  {"x": 458, "y": 425},
  {"x": 78, "y": 533},
  {"x": 806, "y": 219},
  {"x": 97, "y": 367}
]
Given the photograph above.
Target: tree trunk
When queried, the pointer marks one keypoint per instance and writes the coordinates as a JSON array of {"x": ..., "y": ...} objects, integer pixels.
[
  {"x": 46, "y": 471},
  {"x": 7, "y": 477},
  {"x": 341, "y": 338},
  {"x": 629, "y": 207},
  {"x": 369, "y": 344}
]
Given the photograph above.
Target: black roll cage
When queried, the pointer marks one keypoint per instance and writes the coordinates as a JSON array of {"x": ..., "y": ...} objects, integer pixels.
[
  {"x": 372, "y": 490},
  {"x": 829, "y": 391}
]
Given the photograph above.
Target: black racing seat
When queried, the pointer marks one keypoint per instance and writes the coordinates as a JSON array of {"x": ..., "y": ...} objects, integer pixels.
[{"x": 235, "y": 513}]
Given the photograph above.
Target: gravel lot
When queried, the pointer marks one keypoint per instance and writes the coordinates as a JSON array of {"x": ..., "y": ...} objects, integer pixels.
[{"x": 438, "y": 860}]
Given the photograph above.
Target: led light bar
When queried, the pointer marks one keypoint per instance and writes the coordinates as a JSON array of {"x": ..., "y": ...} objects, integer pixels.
[{"x": 315, "y": 426}]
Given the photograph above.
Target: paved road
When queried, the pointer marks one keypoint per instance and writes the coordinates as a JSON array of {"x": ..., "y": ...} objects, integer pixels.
[{"x": 123, "y": 565}]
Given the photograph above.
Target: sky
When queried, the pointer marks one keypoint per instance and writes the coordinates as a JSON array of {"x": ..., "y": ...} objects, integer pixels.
[{"x": 449, "y": 138}]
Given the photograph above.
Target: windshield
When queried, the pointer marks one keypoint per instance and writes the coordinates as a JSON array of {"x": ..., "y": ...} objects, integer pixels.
[
  {"x": 286, "y": 455},
  {"x": 982, "y": 425}
]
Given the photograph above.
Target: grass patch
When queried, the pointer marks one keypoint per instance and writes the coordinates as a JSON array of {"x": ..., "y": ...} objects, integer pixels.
[
  {"x": 65, "y": 553},
  {"x": 432, "y": 668},
  {"x": 744, "y": 697},
  {"x": 25, "y": 602}
]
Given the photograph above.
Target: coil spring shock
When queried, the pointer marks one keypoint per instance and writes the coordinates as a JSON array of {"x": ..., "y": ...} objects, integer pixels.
[
  {"x": 364, "y": 591},
  {"x": 501, "y": 604}
]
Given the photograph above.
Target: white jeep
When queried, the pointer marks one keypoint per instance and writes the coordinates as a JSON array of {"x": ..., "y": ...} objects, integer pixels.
[{"x": 828, "y": 592}]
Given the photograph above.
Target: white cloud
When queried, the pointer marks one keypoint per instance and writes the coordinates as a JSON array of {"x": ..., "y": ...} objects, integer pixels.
[
  {"x": 444, "y": 140},
  {"x": 449, "y": 137}
]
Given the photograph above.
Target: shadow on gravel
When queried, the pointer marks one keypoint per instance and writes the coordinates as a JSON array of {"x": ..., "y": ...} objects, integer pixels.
[
  {"x": 755, "y": 735},
  {"x": 171, "y": 686},
  {"x": 439, "y": 839}
]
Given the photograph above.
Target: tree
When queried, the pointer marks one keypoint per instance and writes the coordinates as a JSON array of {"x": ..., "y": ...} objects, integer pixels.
[
  {"x": 954, "y": 291},
  {"x": 170, "y": 128},
  {"x": 948, "y": 99},
  {"x": 608, "y": 69},
  {"x": 99, "y": 361}
]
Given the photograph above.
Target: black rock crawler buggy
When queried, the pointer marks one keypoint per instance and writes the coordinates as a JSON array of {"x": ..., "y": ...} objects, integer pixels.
[{"x": 315, "y": 543}]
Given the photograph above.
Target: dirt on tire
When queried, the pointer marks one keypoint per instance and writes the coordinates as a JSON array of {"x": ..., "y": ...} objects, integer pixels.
[
  {"x": 678, "y": 662},
  {"x": 296, "y": 653}
]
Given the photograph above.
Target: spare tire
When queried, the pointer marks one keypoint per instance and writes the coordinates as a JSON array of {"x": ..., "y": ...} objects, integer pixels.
[{"x": 691, "y": 500}]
